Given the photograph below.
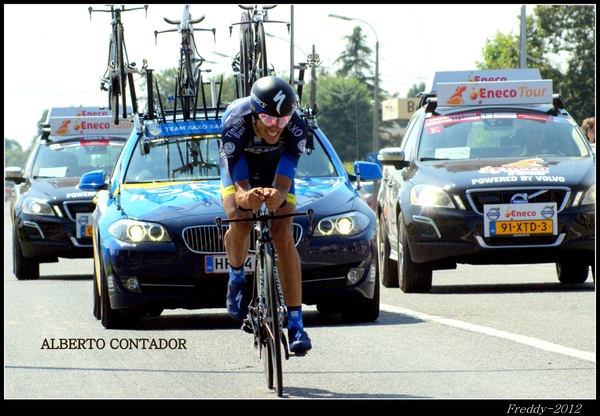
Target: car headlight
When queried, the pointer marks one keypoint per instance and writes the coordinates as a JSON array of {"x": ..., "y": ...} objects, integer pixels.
[
  {"x": 590, "y": 196},
  {"x": 133, "y": 231},
  {"x": 347, "y": 224},
  {"x": 36, "y": 206},
  {"x": 430, "y": 196}
]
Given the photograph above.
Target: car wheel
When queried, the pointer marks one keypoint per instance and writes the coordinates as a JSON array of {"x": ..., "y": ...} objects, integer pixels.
[
  {"x": 96, "y": 296},
  {"x": 23, "y": 268},
  {"x": 388, "y": 268},
  {"x": 413, "y": 277},
  {"x": 112, "y": 318},
  {"x": 366, "y": 310},
  {"x": 572, "y": 273}
]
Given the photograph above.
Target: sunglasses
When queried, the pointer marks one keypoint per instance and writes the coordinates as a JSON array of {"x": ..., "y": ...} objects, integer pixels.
[{"x": 271, "y": 121}]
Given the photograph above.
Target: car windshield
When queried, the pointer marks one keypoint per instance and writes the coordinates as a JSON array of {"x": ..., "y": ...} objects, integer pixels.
[
  {"x": 67, "y": 159},
  {"x": 481, "y": 135},
  {"x": 185, "y": 158}
]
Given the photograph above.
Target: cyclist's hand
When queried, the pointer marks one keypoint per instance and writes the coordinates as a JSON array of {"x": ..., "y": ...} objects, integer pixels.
[
  {"x": 274, "y": 199},
  {"x": 255, "y": 198}
]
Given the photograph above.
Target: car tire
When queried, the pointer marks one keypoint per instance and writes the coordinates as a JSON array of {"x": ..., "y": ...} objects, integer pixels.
[
  {"x": 112, "y": 318},
  {"x": 388, "y": 268},
  {"x": 23, "y": 268},
  {"x": 412, "y": 277},
  {"x": 366, "y": 310},
  {"x": 96, "y": 294},
  {"x": 572, "y": 273}
]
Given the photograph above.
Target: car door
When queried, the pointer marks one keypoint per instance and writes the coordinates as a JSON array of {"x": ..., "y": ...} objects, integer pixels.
[{"x": 393, "y": 178}]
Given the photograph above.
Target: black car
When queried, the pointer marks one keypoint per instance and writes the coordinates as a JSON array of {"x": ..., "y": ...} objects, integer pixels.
[
  {"x": 491, "y": 170},
  {"x": 51, "y": 216}
]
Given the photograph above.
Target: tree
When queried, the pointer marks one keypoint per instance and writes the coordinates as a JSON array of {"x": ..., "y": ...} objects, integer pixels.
[
  {"x": 167, "y": 79},
  {"x": 346, "y": 116},
  {"x": 14, "y": 154},
  {"x": 553, "y": 32},
  {"x": 355, "y": 60},
  {"x": 415, "y": 89}
]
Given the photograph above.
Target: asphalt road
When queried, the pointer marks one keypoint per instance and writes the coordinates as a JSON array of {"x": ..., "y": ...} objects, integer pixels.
[{"x": 486, "y": 337}]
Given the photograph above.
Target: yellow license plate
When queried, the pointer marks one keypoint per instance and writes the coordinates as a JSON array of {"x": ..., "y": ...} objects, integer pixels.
[
  {"x": 521, "y": 227},
  {"x": 88, "y": 231}
]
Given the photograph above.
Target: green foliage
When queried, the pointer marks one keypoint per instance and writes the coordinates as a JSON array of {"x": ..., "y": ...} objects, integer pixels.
[
  {"x": 553, "y": 33},
  {"x": 346, "y": 116},
  {"x": 355, "y": 60},
  {"x": 167, "y": 80},
  {"x": 14, "y": 154},
  {"x": 415, "y": 89}
]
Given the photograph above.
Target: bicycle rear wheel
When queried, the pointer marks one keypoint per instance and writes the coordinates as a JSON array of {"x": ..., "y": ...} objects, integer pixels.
[
  {"x": 114, "y": 89},
  {"x": 187, "y": 89},
  {"x": 246, "y": 41},
  {"x": 262, "y": 65},
  {"x": 272, "y": 322}
]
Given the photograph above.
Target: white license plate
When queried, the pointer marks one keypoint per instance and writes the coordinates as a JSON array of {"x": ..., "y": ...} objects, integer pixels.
[
  {"x": 84, "y": 225},
  {"x": 220, "y": 264},
  {"x": 520, "y": 219}
]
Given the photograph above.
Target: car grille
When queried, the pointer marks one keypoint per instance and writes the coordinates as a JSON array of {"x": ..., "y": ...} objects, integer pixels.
[
  {"x": 480, "y": 197},
  {"x": 72, "y": 208},
  {"x": 205, "y": 239}
]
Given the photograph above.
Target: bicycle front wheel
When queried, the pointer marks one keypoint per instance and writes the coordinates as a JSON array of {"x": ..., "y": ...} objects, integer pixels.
[
  {"x": 121, "y": 70},
  {"x": 114, "y": 94},
  {"x": 272, "y": 321}
]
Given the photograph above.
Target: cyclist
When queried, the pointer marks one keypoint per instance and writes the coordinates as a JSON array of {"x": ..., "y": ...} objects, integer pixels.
[{"x": 262, "y": 141}]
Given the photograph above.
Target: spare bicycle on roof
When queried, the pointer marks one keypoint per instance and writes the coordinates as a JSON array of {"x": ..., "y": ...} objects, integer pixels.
[
  {"x": 119, "y": 71},
  {"x": 190, "y": 60}
]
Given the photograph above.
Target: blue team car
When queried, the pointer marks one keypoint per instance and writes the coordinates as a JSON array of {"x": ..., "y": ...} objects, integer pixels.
[{"x": 156, "y": 244}]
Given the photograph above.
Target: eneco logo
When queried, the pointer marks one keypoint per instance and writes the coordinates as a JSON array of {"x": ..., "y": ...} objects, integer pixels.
[
  {"x": 64, "y": 127},
  {"x": 480, "y": 94}
]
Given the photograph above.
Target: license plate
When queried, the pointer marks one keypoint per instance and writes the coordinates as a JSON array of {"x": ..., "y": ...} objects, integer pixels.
[
  {"x": 84, "y": 225},
  {"x": 220, "y": 264},
  {"x": 504, "y": 220},
  {"x": 521, "y": 227}
]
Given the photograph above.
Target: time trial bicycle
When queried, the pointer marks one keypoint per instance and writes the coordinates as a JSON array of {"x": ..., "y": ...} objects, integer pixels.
[
  {"x": 190, "y": 59},
  {"x": 119, "y": 71},
  {"x": 267, "y": 312},
  {"x": 251, "y": 62}
]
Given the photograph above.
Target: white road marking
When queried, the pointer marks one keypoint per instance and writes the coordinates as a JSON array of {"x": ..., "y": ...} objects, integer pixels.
[{"x": 533, "y": 342}]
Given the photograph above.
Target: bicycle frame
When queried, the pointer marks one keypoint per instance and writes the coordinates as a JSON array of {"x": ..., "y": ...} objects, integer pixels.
[
  {"x": 119, "y": 71},
  {"x": 267, "y": 312},
  {"x": 251, "y": 62},
  {"x": 190, "y": 60}
]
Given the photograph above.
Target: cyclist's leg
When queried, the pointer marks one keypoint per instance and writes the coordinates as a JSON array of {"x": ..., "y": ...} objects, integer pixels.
[
  {"x": 237, "y": 236},
  {"x": 237, "y": 243}
]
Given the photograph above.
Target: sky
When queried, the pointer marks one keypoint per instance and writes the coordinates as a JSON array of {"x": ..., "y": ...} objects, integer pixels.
[{"x": 54, "y": 55}]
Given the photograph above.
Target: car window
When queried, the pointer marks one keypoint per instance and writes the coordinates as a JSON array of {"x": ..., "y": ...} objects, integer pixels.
[
  {"x": 315, "y": 163},
  {"x": 500, "y": 134},
  {"x": 176, "y": 158},
  {"x": 74, "y": 158}
]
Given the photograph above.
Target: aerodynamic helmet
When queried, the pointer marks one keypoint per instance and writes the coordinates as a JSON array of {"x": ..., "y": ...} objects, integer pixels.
[{"x": 273, "y": 96}]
